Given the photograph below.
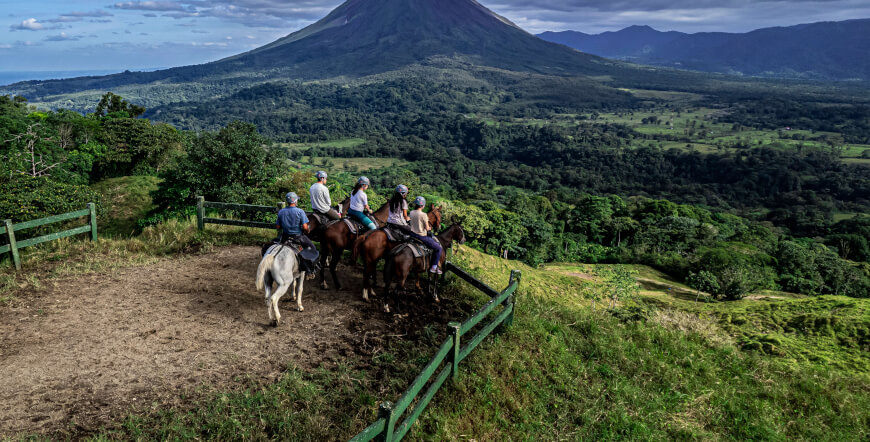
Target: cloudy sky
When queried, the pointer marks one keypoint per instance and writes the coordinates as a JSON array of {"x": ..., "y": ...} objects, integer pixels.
[{"x": 65, "y": 35}]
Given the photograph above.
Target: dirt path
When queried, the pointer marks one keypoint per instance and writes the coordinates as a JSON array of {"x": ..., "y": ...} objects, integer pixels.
[{"x": 91, "y": 349}]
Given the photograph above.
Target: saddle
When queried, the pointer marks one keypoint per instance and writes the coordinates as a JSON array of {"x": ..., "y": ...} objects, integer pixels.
[
  {"x": 297, "y": 247},
  {"x": 395, "y": 235},
  {"x": 355, "y": 226},
  {"x": 323, "y": 221},
  {"x": 418, "y": 250}
]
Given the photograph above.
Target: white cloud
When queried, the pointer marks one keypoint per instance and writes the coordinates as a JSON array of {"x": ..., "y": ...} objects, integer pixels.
[{"x": 28, "y": 25}]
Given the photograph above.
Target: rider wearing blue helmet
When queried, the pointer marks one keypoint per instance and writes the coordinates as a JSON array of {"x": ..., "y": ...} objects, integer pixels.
[
  {"x": 359, "y": 203},
  {"x": 320, "y": 200},
  {"x": 421, "y": 230}
]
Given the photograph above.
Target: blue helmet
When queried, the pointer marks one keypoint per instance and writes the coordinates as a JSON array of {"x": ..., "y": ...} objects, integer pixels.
[
  {"x": 364, "y": 181},
  {"x": 320, "y": 174},
  {"x": 420, "y": 201},
  {"x": 401, "y": 188},
  {"x": 292, "y": 198}
]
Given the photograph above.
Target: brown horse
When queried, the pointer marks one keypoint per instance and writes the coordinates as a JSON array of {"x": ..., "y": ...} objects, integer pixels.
[
  {"x": 337, "y": 238},
  {"x": 373, "y": 245},
  {"x": 314, "y": 230},
  {"x": 403, "y": 264}
]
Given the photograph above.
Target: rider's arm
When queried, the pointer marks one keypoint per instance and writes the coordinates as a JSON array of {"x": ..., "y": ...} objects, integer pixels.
[{"x": 305, "y": 228}]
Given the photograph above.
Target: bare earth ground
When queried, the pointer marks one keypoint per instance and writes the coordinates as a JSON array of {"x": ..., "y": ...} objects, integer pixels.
[{"x": 91, "y": 349}]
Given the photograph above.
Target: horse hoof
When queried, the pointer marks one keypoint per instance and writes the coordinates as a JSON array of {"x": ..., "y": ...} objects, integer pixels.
[
  {"x": 300, "y": 308},
  {"x": 386, "y": 308},
  {"x": 323, "y": 286},
  {"x": 274, "y": 323}
]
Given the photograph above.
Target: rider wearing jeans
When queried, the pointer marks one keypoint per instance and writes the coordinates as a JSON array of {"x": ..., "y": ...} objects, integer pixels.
[
  {"x": 420, "y": 230},
  {"x": 359, "y": 203}
]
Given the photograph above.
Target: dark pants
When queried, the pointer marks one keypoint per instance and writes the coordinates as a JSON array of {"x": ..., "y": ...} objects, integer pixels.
[{"x": 435, "y": 245}]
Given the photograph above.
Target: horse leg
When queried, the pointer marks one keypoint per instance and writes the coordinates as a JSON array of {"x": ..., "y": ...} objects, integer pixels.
[
  {"x": 417, "y": 284},
  {"x": 434, "y": 282},
  {"x": 269, "y": 298},
  {"x": 367, "y": 286},
  {"x": 298, "y": 292},
  {"x": 324, "y": 262},
  {"x": 279, "y": 292},
  {"x": 333, "y": 263}
]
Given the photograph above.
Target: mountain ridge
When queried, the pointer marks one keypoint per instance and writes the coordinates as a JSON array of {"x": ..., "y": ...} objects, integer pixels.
[{"x": 838, "y": 50}]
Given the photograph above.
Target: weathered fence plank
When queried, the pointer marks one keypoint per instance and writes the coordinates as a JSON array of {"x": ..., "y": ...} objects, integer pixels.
[
  {"x": 480, "y": 285},
  {"x": 13, "y": 247},
  {"x": 372, "y": 431},
  {"x": 403, "y": 428},
  {"x": 469, "y": 323},
  {"x": 239, "y": 207},
  {"x": 483, "y": 333},
  {"x": 51, "y": 219},
  {"x": 53, "y": 236},
  {"x": 402, "y": 404},
  {"x": 237, "y": 222}
]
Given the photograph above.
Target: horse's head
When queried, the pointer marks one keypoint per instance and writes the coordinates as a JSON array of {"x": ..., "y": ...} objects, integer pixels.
[
  {"x": 453, "y": 233},
  {"x": 435, "y": 218}
]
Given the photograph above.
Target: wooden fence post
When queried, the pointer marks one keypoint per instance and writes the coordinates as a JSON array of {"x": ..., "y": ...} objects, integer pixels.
[
  {"x": 454, "y": 329},
  {"x": 516, "y": 275},
  {"x": 13, "y": 248},
  {"x": 93, "y": 218},
  {"x": 385, "y": 411},
  {"x": 200, "y": 212}
]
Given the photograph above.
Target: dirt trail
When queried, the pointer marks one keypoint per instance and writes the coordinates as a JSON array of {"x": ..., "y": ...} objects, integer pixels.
[{"x": 91, "y": 349}]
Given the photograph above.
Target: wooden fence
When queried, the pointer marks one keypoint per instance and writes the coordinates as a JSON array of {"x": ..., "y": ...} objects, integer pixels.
[
  {"x": 202, "y": 204},
  {"x": 387, "y": 427},
  {"x": 13, "y": 246}
]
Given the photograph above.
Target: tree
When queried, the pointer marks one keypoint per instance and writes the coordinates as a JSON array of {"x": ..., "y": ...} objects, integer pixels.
[{"x": 112, "y": 105}]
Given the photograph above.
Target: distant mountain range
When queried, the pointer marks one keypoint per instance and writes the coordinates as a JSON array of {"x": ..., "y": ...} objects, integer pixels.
[{"x": 824, "y": 50}]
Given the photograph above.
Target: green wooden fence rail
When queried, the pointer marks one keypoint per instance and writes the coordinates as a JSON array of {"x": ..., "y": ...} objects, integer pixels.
[
  {"x": 8, "y": 229},
  {"x": 202, "y": 204},
  {"x": 387, "y": 427}
]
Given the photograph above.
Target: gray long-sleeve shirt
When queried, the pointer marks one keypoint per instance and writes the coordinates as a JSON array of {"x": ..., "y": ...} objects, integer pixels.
[{"x": 320, "y": 201}]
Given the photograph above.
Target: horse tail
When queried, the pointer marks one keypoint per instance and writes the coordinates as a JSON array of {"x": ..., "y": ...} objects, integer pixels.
[
  {"x": 357, "y": 247},
  {"x": 265, "y": 266}
]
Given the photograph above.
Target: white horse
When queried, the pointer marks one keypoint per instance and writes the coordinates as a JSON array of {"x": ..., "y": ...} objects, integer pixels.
[{"x": 280, "y": 264}]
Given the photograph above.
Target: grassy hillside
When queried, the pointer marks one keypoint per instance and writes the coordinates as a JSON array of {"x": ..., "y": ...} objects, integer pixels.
[{"x": 126, "y": 200}]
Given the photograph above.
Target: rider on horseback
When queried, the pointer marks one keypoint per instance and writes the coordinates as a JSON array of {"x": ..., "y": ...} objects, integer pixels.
[
  {"x": 320, "y": 201},
  {"x": 421, "y": 231},
  {"x": 398, "y": 217},
  {"x": 294, "y": 224},
  {"x": 359, "y": 203}
]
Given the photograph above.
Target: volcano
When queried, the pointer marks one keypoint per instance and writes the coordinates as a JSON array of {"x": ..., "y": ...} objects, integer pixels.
[
  {"x": 363, "y": 37},
  {"x": 360, "y": 38}
]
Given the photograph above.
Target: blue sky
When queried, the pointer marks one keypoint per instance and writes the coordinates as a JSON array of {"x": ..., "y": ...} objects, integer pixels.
[{"x": 140, "y": 34}]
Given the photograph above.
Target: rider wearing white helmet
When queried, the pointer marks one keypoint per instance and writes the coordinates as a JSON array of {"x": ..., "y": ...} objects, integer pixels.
[
  {"x": 320, "y": 200},
  {"x": 421, "y": 230},
  {"x": 359, "y": 203}
]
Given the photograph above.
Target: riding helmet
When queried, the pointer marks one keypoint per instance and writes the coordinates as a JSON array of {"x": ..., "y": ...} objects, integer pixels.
[
  {"x": 292, "y": 198},
  {"x": 364, "y": 181},
  {"x": 420, "y": 201},
  {"x": 320, "y": 174},
  {"x": 402, "y": 189}
]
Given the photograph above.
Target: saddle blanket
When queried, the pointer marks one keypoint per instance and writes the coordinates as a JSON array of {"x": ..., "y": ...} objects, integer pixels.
[{"x": 417, "y": 249}]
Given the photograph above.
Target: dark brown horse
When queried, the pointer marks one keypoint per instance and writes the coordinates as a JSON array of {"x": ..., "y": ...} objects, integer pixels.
[
  {"x": 314, "y": 230},
  {"x": 402, "y": 264},
  {"x": 337, "y": 238},
  {"x": 373, "y": 245}
]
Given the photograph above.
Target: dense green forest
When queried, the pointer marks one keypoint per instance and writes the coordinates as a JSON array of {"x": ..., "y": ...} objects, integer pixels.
[{"x": 572, "y": 187}]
